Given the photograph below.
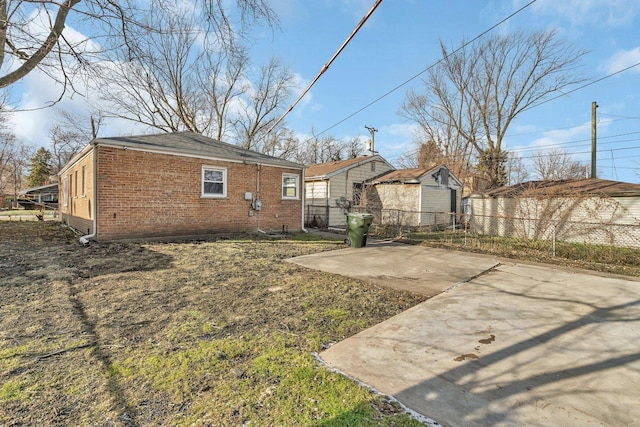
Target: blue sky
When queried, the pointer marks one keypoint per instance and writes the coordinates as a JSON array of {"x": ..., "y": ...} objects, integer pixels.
[{"x": 402, "y": 38}]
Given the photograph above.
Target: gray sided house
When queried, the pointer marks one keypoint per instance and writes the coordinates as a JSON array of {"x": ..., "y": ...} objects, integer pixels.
[
  {"x": 417, "y": 197},
  {"x": 344, "y": 180},
  {"x": 177, "y": 184},
  {"x": 595, "y": 211}
]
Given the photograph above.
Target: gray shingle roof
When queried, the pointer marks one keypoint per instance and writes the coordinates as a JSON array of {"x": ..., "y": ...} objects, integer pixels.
[
  {"x": 189, "y": 143},
  {"x": 592, "y": 186},
  {"x": 327, "y": 170}
]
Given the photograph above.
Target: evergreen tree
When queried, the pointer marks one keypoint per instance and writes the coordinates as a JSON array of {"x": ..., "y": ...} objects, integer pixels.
[{"x": 40, "y": 168}]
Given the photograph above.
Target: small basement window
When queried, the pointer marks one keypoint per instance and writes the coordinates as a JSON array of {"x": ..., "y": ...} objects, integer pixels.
[
  {"x": 214, "y": 181},
  {"x": 290, "y": 184}
]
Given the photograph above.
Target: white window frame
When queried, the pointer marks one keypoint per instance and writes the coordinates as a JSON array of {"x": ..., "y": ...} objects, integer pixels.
[
  {"x": 65, "y": 192},
  {"x": 286, "y": 176},
  {"x": 224, "y": 182},
  {"x": 84, "y": 180}
]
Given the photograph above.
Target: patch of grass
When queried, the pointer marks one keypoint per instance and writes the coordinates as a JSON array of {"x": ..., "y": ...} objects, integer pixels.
[
  {"x": 260, "y": 380},
  {"x": 12, "y": 390},
  {"x": 310, "y": 237},
  {"x": 595, "y": 257}
]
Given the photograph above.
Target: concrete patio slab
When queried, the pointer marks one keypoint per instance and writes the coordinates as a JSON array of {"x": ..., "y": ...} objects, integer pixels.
[
  {"x": 519, "y": 345},
  {"x": 403, "y": 267}
]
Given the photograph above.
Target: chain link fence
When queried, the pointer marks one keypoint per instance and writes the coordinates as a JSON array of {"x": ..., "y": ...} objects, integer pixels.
[
  {"x": 553, "y": 231},
  {"x": 530, "y": 238},
  {"x": 540, "y": 233}
]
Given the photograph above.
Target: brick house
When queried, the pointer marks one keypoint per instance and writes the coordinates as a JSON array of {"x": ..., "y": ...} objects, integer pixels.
[{"x": 177, "y": 184}]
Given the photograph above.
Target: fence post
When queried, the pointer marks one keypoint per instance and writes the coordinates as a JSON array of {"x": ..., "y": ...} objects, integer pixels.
[
  {"x": 327, "y": 216},
  {"x": 554, "y": 239}
]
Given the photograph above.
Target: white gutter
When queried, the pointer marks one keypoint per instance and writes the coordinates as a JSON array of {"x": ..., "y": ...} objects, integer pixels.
[{"x": 85, "y": 239}]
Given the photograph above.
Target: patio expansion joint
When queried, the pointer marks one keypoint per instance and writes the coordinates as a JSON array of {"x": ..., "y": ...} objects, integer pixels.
[{"x": 468, "y": 279}]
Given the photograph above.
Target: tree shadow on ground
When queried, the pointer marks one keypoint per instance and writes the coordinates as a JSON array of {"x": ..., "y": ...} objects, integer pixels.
[{"x": 481, "y": 392}]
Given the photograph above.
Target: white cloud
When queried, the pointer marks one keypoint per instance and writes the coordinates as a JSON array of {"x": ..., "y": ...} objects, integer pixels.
[
  {"x": 553, "y": 139},
  {"x": 288, "y": 10},
  {"x": 394, "y": 140},
  {"x": 580, "y": 12},
  {"x": 572, "y": 140},
  {"x": 623, "y": 59}
]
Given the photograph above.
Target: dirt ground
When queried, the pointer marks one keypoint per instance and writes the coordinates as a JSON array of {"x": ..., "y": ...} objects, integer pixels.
[{"x": 163, "y": 333}]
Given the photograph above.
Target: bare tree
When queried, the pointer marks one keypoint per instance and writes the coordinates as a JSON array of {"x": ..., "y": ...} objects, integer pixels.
[
  {"x": 8, "y": 151},
  {"x": 266, "y": 99},
  {"x": 154, "y": 81},
  {"x": 71, "y": 134},
  {"x": 281, "y": 142},
  {"x": 323, "y": 149},
  {"x": 64, "y": 145},
  {"x": 32, "y": 32},
  {"x": 7, "y": 154},
  {"x": 556, "y": 165},
  {"x": 354, "y": 147},
  {"x": 438, "y": 140},
  {"x": 14, "y": 158},
  {"x": 517, "y": 172},
  {"x": 220, "y": 79},
  {"x": 473, "y": 95},
  {"x": 176, "y": 81},
  {"x": 86, "y": 126}
]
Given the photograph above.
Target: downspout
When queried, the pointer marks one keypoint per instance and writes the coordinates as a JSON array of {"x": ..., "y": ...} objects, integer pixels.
[
  {"x": 85, "y": 239},
  {"x": 303, "y": 188},
  {"x": 420, "y": 203},
  {"x": 258, "y": 212}
]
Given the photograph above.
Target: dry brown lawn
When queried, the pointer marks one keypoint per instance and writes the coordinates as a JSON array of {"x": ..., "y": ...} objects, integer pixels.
[{"x": 217, "y": 332}]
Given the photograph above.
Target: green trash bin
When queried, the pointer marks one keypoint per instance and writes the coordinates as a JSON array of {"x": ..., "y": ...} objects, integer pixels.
[{"x": 357, "y": 228}]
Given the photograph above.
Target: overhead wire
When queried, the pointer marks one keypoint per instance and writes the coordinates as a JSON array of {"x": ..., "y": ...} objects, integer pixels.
[
  {"x": 415, "y": 76},
  {"x": 404, "y": 83},
  {"x": 582, "y": 86},
  {"x": 327, "y": 65},
  {"x": 517, "y": 150}
]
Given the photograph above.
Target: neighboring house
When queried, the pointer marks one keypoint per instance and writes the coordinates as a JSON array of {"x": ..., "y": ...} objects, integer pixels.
[
  {"x": 177, "y": 184},
  {"x": 42, "y": 195},
  {"x": 417, "y": 197},
  {"x": 327, "y": 184},
  {"x": 579, "y": 210}
]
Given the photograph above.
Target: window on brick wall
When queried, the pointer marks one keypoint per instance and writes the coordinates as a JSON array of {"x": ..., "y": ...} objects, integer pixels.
[
  {"x": 214, "y": 181},
  {"x": 84, "y": 180},
  {"x": 65, "y": 191},
  {"x": 290, "y": 184}
]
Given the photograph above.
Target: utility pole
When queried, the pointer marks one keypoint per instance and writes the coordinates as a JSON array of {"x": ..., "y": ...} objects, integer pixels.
[
  {"x": 594, "y": 106},
  {"x": 372, "y": 130}
]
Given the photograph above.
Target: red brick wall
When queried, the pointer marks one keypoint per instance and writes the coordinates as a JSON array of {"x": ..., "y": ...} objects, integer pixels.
[{"x": 142, "y": 194}]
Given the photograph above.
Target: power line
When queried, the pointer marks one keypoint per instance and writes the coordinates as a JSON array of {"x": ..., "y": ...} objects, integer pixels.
[
  {"x": 327, "y": 65},
  {"x": 534, "y": 156},
  {"x": 427, "y": 68},
  {"x": 621, "y": 117},
  {"x": 511, "y": 135},
  {"x": 558, "y": 144},
  {"x": 517, "y": 150},
  {"x": 582, "y": 87}
]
